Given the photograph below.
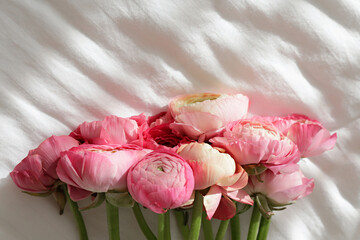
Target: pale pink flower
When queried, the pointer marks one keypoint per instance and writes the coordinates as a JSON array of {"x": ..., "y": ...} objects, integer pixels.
[
  {"x": 37, "y": 172},
  {"x": 281, "y": 188},
  {"x": 97, "y": 168},
  {"x": 251, "y": 142},
  {"x": 111, "y": 130},
  {"x": 309, "y": 135},
  {"x": 204, "y": 115},
  {"x": 162, "y": 180},
  {"x": 218, "y": 172}
]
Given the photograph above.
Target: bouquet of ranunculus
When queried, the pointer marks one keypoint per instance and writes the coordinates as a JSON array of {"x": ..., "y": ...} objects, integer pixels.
[{"x": 203, "y": 156}]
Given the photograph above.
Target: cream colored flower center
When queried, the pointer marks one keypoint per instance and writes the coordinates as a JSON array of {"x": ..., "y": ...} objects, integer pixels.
[{"x": 201, "y": 98}]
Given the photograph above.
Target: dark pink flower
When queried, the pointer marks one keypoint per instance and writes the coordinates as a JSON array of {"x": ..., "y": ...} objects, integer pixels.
[
  {"x": 112, "y": 130},
  {"x": 97, "y": 168},
  {"x": 162, "y": 180},
  {"x": 251, "y": 142},
  {"x": 37, "y": 172}
]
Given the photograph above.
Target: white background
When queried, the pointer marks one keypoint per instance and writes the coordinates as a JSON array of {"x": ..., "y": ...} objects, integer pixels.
[{"x": 65, "y": 62}]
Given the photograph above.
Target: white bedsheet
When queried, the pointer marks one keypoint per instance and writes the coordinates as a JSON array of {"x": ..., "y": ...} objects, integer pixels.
[{"x": 64, "y": 62}]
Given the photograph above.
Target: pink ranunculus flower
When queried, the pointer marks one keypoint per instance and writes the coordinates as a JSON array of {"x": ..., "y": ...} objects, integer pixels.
[
  {"x": 309, "y": 135},
  {"x": 162, "y": 180},
  {"x": 161, "y": 137},
  {"x": 283, "y": 187},
  {"x": 217, "y": 172},
  {"x": 201, "y": 116},
  {"x": 254, "y": 142},
  {"x": 37, "y": 172},
  {"x": 97, "y": 168},
  {"x": 111, "y": 130}
]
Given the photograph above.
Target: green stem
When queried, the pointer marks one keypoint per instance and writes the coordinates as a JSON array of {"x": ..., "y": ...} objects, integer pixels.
[
  {"x": 112, "y": 213},
  {"x": 142, "y": 223},
  {"x": 167, "y": 233},
  {"x": 77, "y": 214},
  {"x": 222, "y": 229},
  {"x": 180, "y": 220},
  {"x": 161, "y": 226},
  {"x": 254, "y": 223},
  {"x": 235, "y": 227},
  {"x": 264, "y": 228},
  {"x": 235, "y": 224},
  {"x": 196, "y": 217},
  {"x": 207, "y": 227}
]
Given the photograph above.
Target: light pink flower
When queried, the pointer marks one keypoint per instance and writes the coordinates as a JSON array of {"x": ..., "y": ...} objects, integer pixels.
[
  {"x": 283, "y": 187},
  {"x": 162, "y": 180},
  {"x": 218, "y": 172},
  {"x": 309, "y": 135},
  {"x": 251, "y": 142},
  {"x": 37, "y": 172},
  {"x": 112, "y": 130},
  {"x": 97, "y": 168},
  {"x": 204, "y": 115}
]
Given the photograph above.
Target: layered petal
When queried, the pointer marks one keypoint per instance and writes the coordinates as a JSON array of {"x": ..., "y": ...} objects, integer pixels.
[
  {"x": 205, "y": 114},
  {"x": 208, "y": 164},
  {"x": 50, "y": 150},
  {"x": 309, "y": 135},
  {"x": 162, "y": 180},
  {"x": 311, "y": 139},
  {"x": 161, "y": 136},
  {"x": 98, "y": 168},
  {"x": 37, "y": 172},
  {"x": 30, "y": 176},
  {"x": 251, "y": 142},
  {"x": 283, "y": 187},
  {"x": 111, "y": 130}
]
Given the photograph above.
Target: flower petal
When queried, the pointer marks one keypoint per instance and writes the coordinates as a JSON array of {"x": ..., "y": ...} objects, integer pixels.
[
  {"x": 50, "y": 150},
  {"x": 77, "y": 194},
  {"x": 212, "y": 200},
  {"x": 239, "y": 196},
  {"x": 226, "y": 209},
  {"x": 242, "y": 179}
]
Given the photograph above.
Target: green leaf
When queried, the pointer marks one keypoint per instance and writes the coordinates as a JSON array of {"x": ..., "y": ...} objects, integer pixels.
[
  {"x": 60, "y": 198},
  {"x": 254, "y": 169},
  {"x": 45, "y": 194},
  {"x": 263, "y": 205},
  {"x": 244, "y": 208},
  {"x": 99, "y": 199},
  {"x": 120, "y": 199},
  {"x": 273, "y": 203}
]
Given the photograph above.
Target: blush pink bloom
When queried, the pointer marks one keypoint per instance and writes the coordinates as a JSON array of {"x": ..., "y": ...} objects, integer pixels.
[
  {"x": 162, "y": 180},
  {"x": 283, "y": 187},
  {"x": 252, "y": 142},
  {"x": 37, "y": 172},
  {"x": 204, "y": 115},
  {"x": 309, "y": 135},
  {"x": 111, "y": 130},
  {"x": 97, "y": 168},
  {"x": 218, "y": 172}
]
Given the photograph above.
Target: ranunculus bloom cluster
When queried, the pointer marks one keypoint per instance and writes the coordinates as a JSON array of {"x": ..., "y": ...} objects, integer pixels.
[{"x": 203, "y": 143}]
